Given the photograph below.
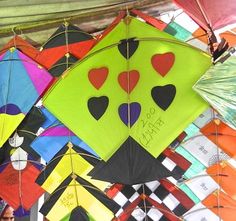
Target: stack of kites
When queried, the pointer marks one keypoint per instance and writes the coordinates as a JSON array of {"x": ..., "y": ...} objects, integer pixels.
[{"x": 112, "y": 127}]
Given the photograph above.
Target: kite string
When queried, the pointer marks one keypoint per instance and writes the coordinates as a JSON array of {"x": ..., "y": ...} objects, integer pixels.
[
  {"x": 31, "y": 161},
  {"x": 67, "y": 44},
  {"x": 19, "y": 170},
  {"x": 126, "y": 19},
  {"x": 20, "y": 179},
  {"x": 151, "y": 207},
  {"x": 144, "y": 203},
  {"x": 70, "y": 145},
  {"x": 203, "y": 14},
  {"x": 219, "y": 170},
  {"x": 210, "y": 33},
  {"x": 127, "y": 63},
  {"x": 14, "y": 36}
]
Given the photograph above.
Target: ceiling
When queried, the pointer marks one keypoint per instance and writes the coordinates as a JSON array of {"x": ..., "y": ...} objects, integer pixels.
[{"x": 36, "y": 20}]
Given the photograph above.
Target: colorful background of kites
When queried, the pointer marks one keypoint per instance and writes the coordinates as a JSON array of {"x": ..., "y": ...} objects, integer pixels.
[{"x": 136, "y": 123}]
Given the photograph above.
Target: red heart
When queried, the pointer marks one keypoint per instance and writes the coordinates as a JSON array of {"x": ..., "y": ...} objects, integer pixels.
[
  {"x": 97, "y": 76},
  {"x": 132, "y": 77},
  {"x": 162, "y": 63}
]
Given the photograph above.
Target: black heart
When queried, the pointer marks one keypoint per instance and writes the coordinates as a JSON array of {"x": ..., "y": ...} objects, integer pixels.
[
  {"x": 163, "y": 95},
  {"x": 127, "y": 47},
  {"x": 97, "y": 106}
]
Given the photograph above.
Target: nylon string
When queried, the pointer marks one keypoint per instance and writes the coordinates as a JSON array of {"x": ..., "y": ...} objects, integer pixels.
[
  {"x": 67, "y": 45},
  {"x": 219, "y": 169},
  {"x": 70, "y": 145},
  {"x": 144, "y": 203}
]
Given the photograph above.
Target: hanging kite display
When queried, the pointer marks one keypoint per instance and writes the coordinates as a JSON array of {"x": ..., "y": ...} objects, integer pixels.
[{"x": 117, "y": 131}]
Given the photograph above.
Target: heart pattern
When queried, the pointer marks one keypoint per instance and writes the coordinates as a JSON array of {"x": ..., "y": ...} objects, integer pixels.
[
  {"x": 128, "y": 80},
  {"x": 129, "y": 113},
  {"x": 97, "y": 106},
  {"x": 127, "y": 47},
  {"x": 98, "y": 76},
  {"x": 163, "y": 95},
  {"x": 162, "y": 63}
]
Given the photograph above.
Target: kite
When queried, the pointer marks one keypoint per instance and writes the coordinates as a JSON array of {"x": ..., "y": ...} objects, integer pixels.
[
  {"x": 217, "y": 86},
  {"x": 168, "y": 163},
  {"x": 22, "y": 46},
  {"x": 50, "y": 119},
  {"x": 230, "y": 37},
  {"x": 210, "y": 19},
  {"x": 33, "y": 121},
  {"x": 184, "y": 28},
  {"x": 145, "y": 207},
  {"x": 17, "y": 180},
  {"x": 74, "y": 191},
  {"x": 24, "y": 135},
  {"x": 22, "y": 82},
  {"x": 209, "y": 13},
  {"x": 129, "y": 98},
  {"x": 222, "y": 205},
  {"x": 225, "y": 175},
  {"x": 70, "y": 159},
  {"x": 78, "y": 213},
  {"x": 67, "y": 45},
  {"x": 195, "y": 168},
  {"x": 200, "y": 212},
  {"x": 222, "y": 135},
  {"x": 204, "y": 150},
  {"x": 174, "y": 162},
  {"x": 149, "y": 19},
  {"x": 134, "y": 80},
  {"x": 162, "y": 194},
  {"x": 51, "y": 140}
]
